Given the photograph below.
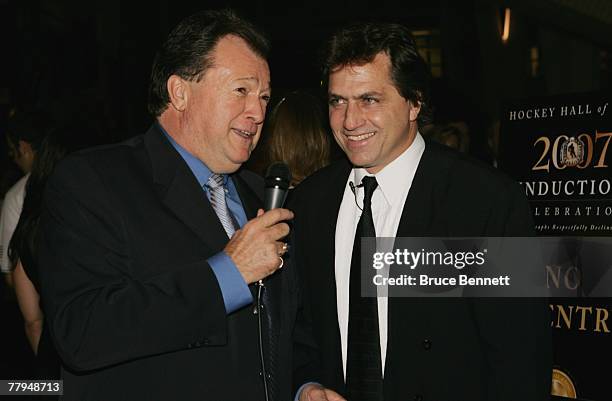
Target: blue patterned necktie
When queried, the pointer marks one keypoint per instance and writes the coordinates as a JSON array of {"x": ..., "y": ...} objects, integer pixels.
[{"x": 216, "y": 187}]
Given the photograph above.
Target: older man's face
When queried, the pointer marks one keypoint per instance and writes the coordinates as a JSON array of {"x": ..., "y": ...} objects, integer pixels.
[
  {"x": 227, "y": 106},
  {"x": 371, "y": 121}
]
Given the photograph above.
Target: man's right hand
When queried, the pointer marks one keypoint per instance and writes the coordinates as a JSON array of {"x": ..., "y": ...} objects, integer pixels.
[
  {"x": 256, "y": 248},
  {"x": 316, "y": 392}
]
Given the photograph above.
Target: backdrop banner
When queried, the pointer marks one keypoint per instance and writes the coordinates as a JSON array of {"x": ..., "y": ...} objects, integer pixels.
[{"x": 557, "y": 149}]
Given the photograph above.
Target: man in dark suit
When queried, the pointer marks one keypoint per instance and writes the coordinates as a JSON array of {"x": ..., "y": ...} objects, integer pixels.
[
  {"x": 150, "y": 248},
  {"x": 395, "y": 184}
]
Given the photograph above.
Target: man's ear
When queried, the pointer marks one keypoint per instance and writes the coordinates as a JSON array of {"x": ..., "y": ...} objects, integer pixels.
[
  {"x": 415, "y": 109},
  {"x": 178, "y": 91}
]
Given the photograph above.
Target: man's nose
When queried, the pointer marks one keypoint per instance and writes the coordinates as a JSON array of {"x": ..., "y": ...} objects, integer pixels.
[
  {"x": 353, "y": 118},
  {"x": 256, "y": 109}
]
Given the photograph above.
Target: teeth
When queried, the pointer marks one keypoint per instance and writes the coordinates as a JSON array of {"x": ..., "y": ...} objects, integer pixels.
[
  {"x": 245, "y": 133},
  {"x": 360, "y": 137}
]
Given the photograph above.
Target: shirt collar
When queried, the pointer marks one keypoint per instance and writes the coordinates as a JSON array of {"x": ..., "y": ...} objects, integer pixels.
[
  {"x": 396, "y": 177},
  {"x": 197, "y": 167}
]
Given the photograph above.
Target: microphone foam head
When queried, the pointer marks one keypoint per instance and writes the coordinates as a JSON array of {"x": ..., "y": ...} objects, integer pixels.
[{"x": 278, "y": 175}]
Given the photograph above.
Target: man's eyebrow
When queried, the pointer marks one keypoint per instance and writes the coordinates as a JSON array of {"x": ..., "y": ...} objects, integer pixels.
[
  {"x": 335, "y": 96},
  {"x": 246, "y": 79},
  {"x": 266, "y": 89},
  {"x": 360, "y": 96},
  {"x": 369, "y": 94}
]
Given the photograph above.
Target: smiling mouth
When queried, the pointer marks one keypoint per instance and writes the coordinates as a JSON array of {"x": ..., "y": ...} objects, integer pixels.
[
  {"x": 244, "y": 134},
  {"x": 361, "y": 137}
]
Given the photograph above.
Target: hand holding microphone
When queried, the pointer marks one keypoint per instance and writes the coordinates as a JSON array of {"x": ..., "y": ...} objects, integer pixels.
[{"x": 256, "y": 249}]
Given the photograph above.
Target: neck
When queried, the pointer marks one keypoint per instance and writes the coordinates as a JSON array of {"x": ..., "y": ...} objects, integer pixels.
[{"x": 173, "y": 127}]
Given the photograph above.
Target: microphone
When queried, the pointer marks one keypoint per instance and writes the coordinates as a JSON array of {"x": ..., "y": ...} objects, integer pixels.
[
  {"x": 277, "y": 182},
  {"x": 354, "y": 190},
  {"x": 353, "y": 187},
  {"x": 276, "y": 188}
]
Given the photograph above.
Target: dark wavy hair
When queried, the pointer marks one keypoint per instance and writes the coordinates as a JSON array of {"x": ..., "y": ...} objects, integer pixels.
[
  {"x": 29, "y": 126},
  {"x": 187, "y": 50},
  {"x": 358, "y": 44},
  {"x": 58, "y": 143}
]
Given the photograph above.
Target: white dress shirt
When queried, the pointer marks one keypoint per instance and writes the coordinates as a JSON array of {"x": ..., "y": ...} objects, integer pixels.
[
  {"x": 11, "y": 210},
  {"x": 394, "y": 182}
]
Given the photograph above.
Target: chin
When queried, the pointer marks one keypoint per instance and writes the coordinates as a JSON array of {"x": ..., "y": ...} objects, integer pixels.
[
  {"x": 237, "y": 162},
  {"x": 359, "y": 161},
  {"x": 230, "y": 169}
]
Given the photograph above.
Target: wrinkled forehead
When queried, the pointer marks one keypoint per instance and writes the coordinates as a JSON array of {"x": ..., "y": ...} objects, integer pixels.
[
  {"x": 375, "y": 73},
  {"x": 360, "y": 61}
]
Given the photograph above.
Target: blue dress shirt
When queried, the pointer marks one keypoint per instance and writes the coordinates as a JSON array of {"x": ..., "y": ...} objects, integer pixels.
[{"x": 235, "y": 291}]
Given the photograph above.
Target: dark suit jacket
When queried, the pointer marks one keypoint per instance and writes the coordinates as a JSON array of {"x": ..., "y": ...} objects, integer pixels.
[
  {"x": 438, "y": 349},
  {"x": 134, "y": 309}
]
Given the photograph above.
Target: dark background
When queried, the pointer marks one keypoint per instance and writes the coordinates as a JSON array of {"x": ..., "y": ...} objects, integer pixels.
[{"x": 82, "y": 58}]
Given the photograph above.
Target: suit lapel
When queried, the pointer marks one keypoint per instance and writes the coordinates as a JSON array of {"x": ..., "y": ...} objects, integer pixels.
[
  {"x": 180, "y": 192},
  {"x": 323, "y": 231},
  {"x": 417, "y": 216},
  {"x": 250, "y": 201},
  {"x": 418, "y": 220},
  {"x": 326, "y": 236}
]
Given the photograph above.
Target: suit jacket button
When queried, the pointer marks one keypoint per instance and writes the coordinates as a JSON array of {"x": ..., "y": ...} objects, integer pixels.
[
  {"x": 418, "y": 397},
  {"x": 427, "y": 344}
]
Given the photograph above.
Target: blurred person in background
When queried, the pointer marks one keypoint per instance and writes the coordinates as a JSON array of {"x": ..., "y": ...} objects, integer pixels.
[
  {"x": 24, "y": 134},
  {"x": 297, "y": 134},
  {"x": 453, "y": 135},
  {"x": 23, "y": 252}
]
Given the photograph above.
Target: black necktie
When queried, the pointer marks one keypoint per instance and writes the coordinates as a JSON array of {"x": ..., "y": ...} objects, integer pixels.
[{"x": 363, "y": 366}]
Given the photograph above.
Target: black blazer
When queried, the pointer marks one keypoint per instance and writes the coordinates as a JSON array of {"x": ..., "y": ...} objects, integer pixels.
[
  {"x": 438, "y": 349},
  {"x": 135, "y": 311}
]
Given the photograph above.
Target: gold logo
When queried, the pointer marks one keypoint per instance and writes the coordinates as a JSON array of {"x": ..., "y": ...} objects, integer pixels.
[
  {"x": 562, "y": 385},
  {"x": 572, "y": 152}
]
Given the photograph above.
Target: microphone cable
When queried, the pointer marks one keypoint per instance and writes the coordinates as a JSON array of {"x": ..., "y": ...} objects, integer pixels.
[
  {"x": 353, "y": 188},
  {"x": 258, "y": 312}
]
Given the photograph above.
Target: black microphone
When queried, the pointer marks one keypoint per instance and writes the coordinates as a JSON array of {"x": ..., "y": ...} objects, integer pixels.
[
  {"x": 276, "y": 188},
  {"x": 354, "y": 190},
  {"x": 278, "y": 178},
  {"x": 353, "y": 187}
]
